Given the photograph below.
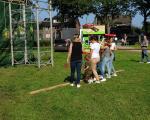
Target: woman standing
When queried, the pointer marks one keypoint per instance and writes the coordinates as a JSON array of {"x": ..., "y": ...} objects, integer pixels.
[
  {"x": 113, "y": 48},
  {"x": 95, "y": 57},
  {"x": 75, "y": 60}
]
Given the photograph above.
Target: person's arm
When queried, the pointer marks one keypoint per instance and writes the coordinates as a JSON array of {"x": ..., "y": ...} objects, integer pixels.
[
  {"x": 86, "y": 68},
  {"x": 69, "y": 53},
  {"x": 91, "y": 52},
  {"x": 115, "y": 47},
  {"x": 146, "y": 43}
]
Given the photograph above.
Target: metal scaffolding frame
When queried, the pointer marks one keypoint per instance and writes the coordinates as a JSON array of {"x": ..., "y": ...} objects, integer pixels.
[{"x": 35, "y": 6}]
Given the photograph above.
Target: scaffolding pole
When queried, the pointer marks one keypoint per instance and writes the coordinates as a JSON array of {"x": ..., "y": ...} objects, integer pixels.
[
  {"x": 11, "y": 37},
  {"x": 25, "y": 38},
  {"x": 38, "y": 37},
  {"x": 24, "y": 22},
  {"x": 51, "y": 31}
]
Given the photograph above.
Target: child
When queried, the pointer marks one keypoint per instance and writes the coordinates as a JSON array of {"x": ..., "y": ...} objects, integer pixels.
[{"x": 88, "y": 74}]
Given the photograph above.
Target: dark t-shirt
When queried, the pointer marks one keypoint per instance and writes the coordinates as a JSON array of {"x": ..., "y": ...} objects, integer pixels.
[{"x": 76, "y": 51}]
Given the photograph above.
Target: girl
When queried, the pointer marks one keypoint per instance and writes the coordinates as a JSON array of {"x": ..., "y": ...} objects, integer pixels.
[
  {"x": 95, "y": 57},
  {"x": 75, "y": 60}
]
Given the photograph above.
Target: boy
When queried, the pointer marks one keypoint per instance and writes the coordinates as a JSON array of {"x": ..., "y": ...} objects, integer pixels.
[{"x": 88, "y": 74}]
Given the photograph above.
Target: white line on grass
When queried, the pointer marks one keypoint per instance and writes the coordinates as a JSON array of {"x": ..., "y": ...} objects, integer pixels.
[{"x": 56, "y": 86}]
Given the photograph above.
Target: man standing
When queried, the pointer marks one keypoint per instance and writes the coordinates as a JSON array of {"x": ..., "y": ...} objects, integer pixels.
[{"x": 144, "y": 46}]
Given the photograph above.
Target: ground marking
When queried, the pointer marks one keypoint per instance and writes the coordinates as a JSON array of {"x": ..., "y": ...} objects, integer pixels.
[{"x": 56, "y": 86}]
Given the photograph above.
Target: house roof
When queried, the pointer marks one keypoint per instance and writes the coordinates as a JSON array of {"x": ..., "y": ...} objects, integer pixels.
[{"x": 70, "y": 23}]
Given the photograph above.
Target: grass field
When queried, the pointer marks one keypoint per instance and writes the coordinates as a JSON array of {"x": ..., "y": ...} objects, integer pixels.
[{"x": 126, "y": 97}]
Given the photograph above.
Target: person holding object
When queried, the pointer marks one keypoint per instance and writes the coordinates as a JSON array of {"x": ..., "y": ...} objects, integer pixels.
[
  {"x": 75, "y": 60},
  {"x": 95, "y": 57},
  {"x": 144, "y": 46}
]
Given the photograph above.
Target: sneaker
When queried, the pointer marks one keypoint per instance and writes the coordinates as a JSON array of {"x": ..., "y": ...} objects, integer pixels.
[
  {"x": 90, "y": 81},
  {"x": 78, "y": 85},
  {"x": 71, "y": 84},
  {"x": 108, "y": 77},
  {"x": 101, "y": 77},
  {"x": 97, "y": 81},
  {"x": 114, "y": 74},
  {"x": 104, "y": 79},
  {"x": 148, "y": 62},
  {"x": 94, "y": 79},
  {"x": 106, "y": 74}
]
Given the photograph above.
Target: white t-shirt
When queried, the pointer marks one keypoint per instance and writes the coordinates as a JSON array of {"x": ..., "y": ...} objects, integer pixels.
[
  {"x": 96, "y": 48},
  {"x": 113, "y": 46}
]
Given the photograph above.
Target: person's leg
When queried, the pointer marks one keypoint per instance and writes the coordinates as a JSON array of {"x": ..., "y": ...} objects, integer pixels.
[
  {"x": 146, "y": 55},
  {"x": 72, "y": 67},
  {"x": 142, "y": 56},
  {"x": 78, "y": 67},
  {"x": 100, "y": 67},
  {"x": 108, "y": 60},
  {"x": 94, "y": 65},
  {"x": 103, "y": 64},
  {"x": 111, "y": 64}
]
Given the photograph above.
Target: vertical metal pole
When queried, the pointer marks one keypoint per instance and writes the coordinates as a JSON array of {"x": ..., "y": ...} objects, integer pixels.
[
  {"x": 25, "y": 38},
  {"x": 38, "y": 37},
  {"x": 51, "y": 31},
  {"x": 11, "y": 37},
  {"x": 5, "y": 13}
]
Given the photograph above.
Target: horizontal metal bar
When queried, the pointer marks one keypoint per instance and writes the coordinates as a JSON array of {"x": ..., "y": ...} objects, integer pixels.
[{"x": 21, "y": 3}]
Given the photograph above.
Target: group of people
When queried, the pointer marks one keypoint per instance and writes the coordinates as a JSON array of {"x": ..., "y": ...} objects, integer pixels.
[{"x": 101, "y": 56}]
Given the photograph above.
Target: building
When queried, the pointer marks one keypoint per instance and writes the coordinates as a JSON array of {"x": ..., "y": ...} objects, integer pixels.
[
  {"x": 62, "y": 28},
  {"x": 119, "y": 25}
]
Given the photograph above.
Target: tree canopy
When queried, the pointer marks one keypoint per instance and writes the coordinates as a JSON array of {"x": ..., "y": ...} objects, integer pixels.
[
  {"x": 104, "y": 9},
  {"x": 73, "y": 9},
  {"x": 143, "y": 7},
  {"x": 107, "y": 10}
]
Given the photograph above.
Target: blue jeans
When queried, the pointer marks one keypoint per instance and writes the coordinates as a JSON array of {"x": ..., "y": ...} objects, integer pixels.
[
  {"x": 111, "y": 63},
  {"x": 105, "y": 62},
  {"x": 144, "y": 54},
  {"x": 76, "y": 66}
]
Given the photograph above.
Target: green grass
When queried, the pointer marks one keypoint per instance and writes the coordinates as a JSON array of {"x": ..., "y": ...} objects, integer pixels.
[{"x": 126, "y": 97}]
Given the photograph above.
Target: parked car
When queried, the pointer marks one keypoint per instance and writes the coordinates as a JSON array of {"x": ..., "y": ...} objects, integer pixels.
[{"x": 61, "y": 45}]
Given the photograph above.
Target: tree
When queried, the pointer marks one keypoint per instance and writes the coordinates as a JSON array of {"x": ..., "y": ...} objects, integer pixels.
[
  {"x": 72, "y": 9},
  {"x": 107, "y": 10},
  {"x": 143, "y": 6}
]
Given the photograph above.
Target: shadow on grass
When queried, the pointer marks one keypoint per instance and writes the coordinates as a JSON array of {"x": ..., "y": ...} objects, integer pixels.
[
  {"x": 137, "y": 61},
  {"x": 67, "y": 79}
]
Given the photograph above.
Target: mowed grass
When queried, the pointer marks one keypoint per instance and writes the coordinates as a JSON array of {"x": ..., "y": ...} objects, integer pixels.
[{"x": 125, "y": 97}]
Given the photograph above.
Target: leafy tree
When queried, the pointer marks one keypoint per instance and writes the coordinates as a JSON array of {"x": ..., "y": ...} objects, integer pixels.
[
  {"x": 72, "y": 9},
  {"x": 107, "y": 10},
  {"x": 143, "y": 6}
]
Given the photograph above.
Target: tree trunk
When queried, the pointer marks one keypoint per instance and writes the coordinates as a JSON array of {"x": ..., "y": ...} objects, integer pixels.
[
  {"x": 145, "y": 24},
  {"x": 108, "y": 28}
]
